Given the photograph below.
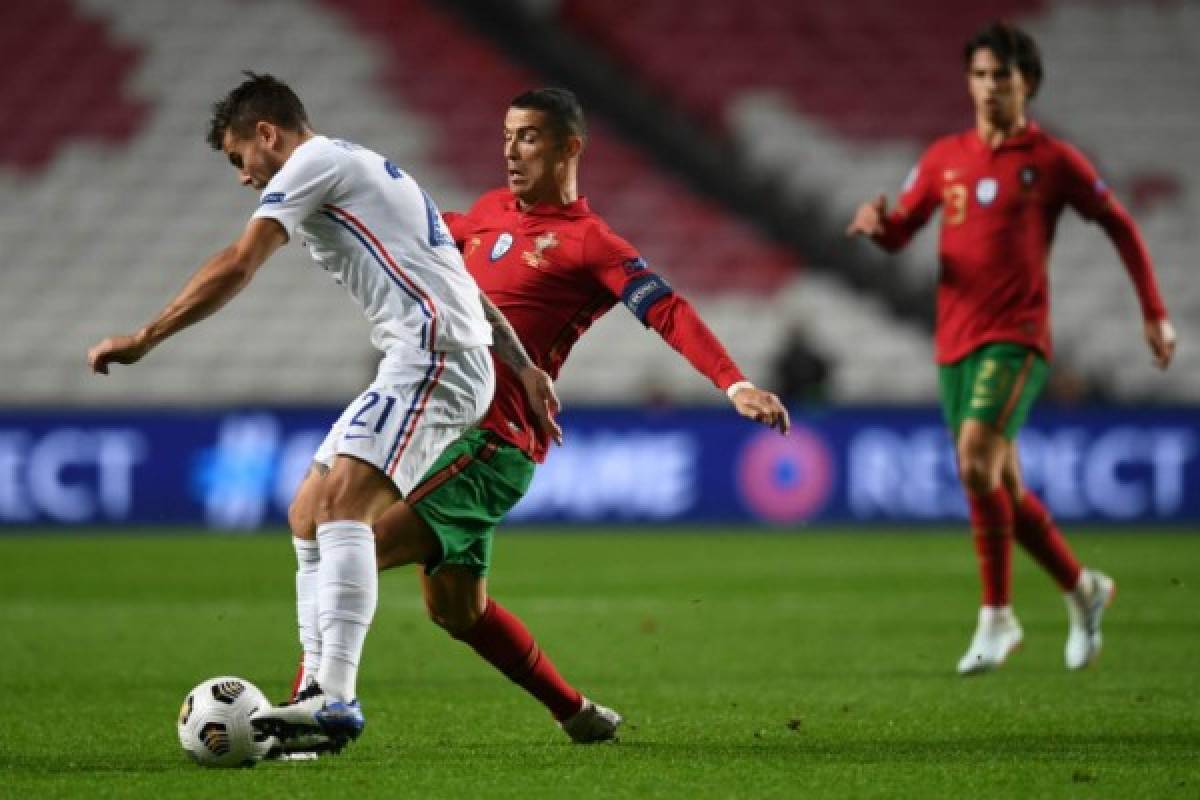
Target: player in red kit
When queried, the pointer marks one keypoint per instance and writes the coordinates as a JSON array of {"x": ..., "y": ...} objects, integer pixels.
[
  {"x": 553, "y": 267},
  {"x": 1001, "y": 187}
]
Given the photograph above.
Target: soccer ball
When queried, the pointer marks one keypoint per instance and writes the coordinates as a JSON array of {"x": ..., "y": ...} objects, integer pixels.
[{"x": 214, "y": 723}]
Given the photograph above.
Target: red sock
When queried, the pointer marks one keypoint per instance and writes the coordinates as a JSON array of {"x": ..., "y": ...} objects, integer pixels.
[
  {"x": 505, "y": 642},
  {"x": 296, "y": 681},
  {"x": 992, "y": 523},
  {"x": 1037, "y": 533}
]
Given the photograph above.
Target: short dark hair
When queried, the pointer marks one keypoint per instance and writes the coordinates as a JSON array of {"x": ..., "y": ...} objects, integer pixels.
[
  {"x": 1013, "y": 47},
  {"x": 258, "y": 98},
  {"x": 561, "y": 108}
]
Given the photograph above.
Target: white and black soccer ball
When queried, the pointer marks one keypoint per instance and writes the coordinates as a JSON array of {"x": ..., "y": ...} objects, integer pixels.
[{"x": 214, "y": 723}]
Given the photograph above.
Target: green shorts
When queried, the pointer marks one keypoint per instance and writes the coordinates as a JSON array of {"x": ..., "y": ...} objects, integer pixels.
[
  {"x": 465, "y": 494},
  {"x": 995, "y": 384}
]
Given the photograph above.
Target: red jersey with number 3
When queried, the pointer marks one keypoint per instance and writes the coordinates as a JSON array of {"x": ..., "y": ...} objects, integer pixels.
[
  {"x": 553, "y": 270},
  {"x": 1000, "y": 207}
]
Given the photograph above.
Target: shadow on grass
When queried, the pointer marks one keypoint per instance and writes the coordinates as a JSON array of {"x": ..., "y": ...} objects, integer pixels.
[{"x": 1143, "y": 749}]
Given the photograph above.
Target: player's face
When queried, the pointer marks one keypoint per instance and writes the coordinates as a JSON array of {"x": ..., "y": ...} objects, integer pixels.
[
  {"x": 997, "y": 89},
  {"x": 256, "y": 158},
  {"x": 533, "y": 156}
]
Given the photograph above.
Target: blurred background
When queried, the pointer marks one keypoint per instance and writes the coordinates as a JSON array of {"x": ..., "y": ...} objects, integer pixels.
[{"x": 730, "y": 143}]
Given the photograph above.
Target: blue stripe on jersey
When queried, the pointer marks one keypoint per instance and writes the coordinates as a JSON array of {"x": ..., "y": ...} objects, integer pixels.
[{"x": 387, "y": 271}]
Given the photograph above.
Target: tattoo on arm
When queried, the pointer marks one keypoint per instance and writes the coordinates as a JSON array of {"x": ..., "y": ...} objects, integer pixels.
[{"x": 507, "y": 346}]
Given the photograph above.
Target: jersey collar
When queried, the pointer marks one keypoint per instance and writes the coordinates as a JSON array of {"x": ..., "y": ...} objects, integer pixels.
[
  {"x": 578, "y": 208},
  {"x": 1024, "y": 139}
]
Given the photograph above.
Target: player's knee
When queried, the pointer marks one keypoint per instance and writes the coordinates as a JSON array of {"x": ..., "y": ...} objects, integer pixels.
[
  {"x": 300, "y": 520},
  {"x": 338, "y": 498},
  {"x": 978, "y": 473},
  {"x": 455, "y": 620}
]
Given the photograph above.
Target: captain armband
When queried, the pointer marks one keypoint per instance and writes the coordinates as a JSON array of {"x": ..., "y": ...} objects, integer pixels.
[{"x": 640, "y": 294}]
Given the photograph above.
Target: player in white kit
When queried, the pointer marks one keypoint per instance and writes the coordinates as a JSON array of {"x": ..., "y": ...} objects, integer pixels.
[{"x": 376, "y": 231}]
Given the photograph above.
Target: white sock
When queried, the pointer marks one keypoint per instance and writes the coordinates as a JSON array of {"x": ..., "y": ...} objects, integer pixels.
[
  {"x": 347, "y": 590},
  {"x": 308, "y": 556},
  {"x": 996, "y": 615}
]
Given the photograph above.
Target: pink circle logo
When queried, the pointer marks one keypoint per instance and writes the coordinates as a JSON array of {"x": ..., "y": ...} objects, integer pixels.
[{"x": 785, "y": 478}]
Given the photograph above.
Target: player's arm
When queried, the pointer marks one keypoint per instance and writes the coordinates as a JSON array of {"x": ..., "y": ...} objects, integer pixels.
[
  {"x": 893, "y": 230},
  {"x": 539, "y": 388},
  {"x": 1089, "y": 195},
  {"x": 676, "y": 321},
  {"x": 1156, "y": 326},
  {"x": 616, "y": 264},
  {"x": 213, "y": 285}
]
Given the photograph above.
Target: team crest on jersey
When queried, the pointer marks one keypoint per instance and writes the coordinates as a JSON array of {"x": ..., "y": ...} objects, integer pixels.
[
  {"x": 1029, "y": 175},
  {"x": 504, "y": 243},
  {"x": 985, "y": 191},
  {"x": 541, "y": 244}
]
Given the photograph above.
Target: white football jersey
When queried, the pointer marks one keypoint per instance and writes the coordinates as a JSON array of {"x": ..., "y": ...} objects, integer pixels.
[{"x": 380, "y": 235}]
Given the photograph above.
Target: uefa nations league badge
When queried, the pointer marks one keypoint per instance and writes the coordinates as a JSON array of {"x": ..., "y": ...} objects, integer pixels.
[
  {"x": 503, "y": 242},
  {"x": 985, "y": 191}
]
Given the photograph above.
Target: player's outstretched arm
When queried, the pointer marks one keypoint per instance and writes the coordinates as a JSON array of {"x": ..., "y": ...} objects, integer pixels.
[
  {"x": 212, "y": 286},
  {"x": 539, "y": 388},
  {"x": 868, "y": 219},
  {"x": 761, "y": 406}
]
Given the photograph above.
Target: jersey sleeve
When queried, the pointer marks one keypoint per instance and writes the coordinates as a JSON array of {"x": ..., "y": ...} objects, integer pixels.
[
  {"x": 299, "y": 188},
  {"x": 623, "y": 272},
  {"x": 619, "y": 267},
  {"x": 917, "y": 201},
  {"x": 681, "y": 327},
  {"x": 1082, "y": 186},
  {"x": 457, "y": 223},
  {"x": 1086, "y": 192}
]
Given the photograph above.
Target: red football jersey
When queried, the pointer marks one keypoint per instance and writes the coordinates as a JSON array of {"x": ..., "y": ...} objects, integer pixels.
[
  {"x": 553, "y": 270},
  {"x": 1000, "y": 208}
]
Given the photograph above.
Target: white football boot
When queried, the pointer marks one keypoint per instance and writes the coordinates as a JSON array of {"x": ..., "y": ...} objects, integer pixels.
[
  {"x": 1085, "y": 606},
  {"x": 996, "y": 636},
  {"x": 310, "y": 716},
  {"x": 592, "y": 723}
]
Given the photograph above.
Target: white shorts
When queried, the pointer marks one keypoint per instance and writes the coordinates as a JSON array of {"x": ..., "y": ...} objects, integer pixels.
[{"x": 418, "y": 404}]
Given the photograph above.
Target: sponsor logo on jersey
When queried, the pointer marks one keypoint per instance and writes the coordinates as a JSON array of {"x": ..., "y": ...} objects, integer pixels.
[
  {"x": 472, "y": 245},
  {"x": 985, "y": 191},
  {"x": 273, "y": 197},
  {"x": 504, "y": 243},
  {"x": 541, "y": 244},
  {"x": 634, "y": 265},
  {"x": 1029, "y": 175}
]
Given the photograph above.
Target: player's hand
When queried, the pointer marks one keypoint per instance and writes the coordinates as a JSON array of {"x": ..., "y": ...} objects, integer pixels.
[
  {"x": 1160, "y": 335},
  {"x": 868, "y": 219},
  {"x": 117, "y": 350},
  {"x": 539, "y": 390},
  {"x": 762, "y": 407}
]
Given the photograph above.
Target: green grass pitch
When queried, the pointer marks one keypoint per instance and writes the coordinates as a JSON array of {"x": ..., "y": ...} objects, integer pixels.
[{"x": 747, "y": 665}]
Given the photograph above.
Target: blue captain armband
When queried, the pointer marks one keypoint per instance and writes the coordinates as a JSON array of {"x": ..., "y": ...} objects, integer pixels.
[{"x": 641, "y": 293}]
